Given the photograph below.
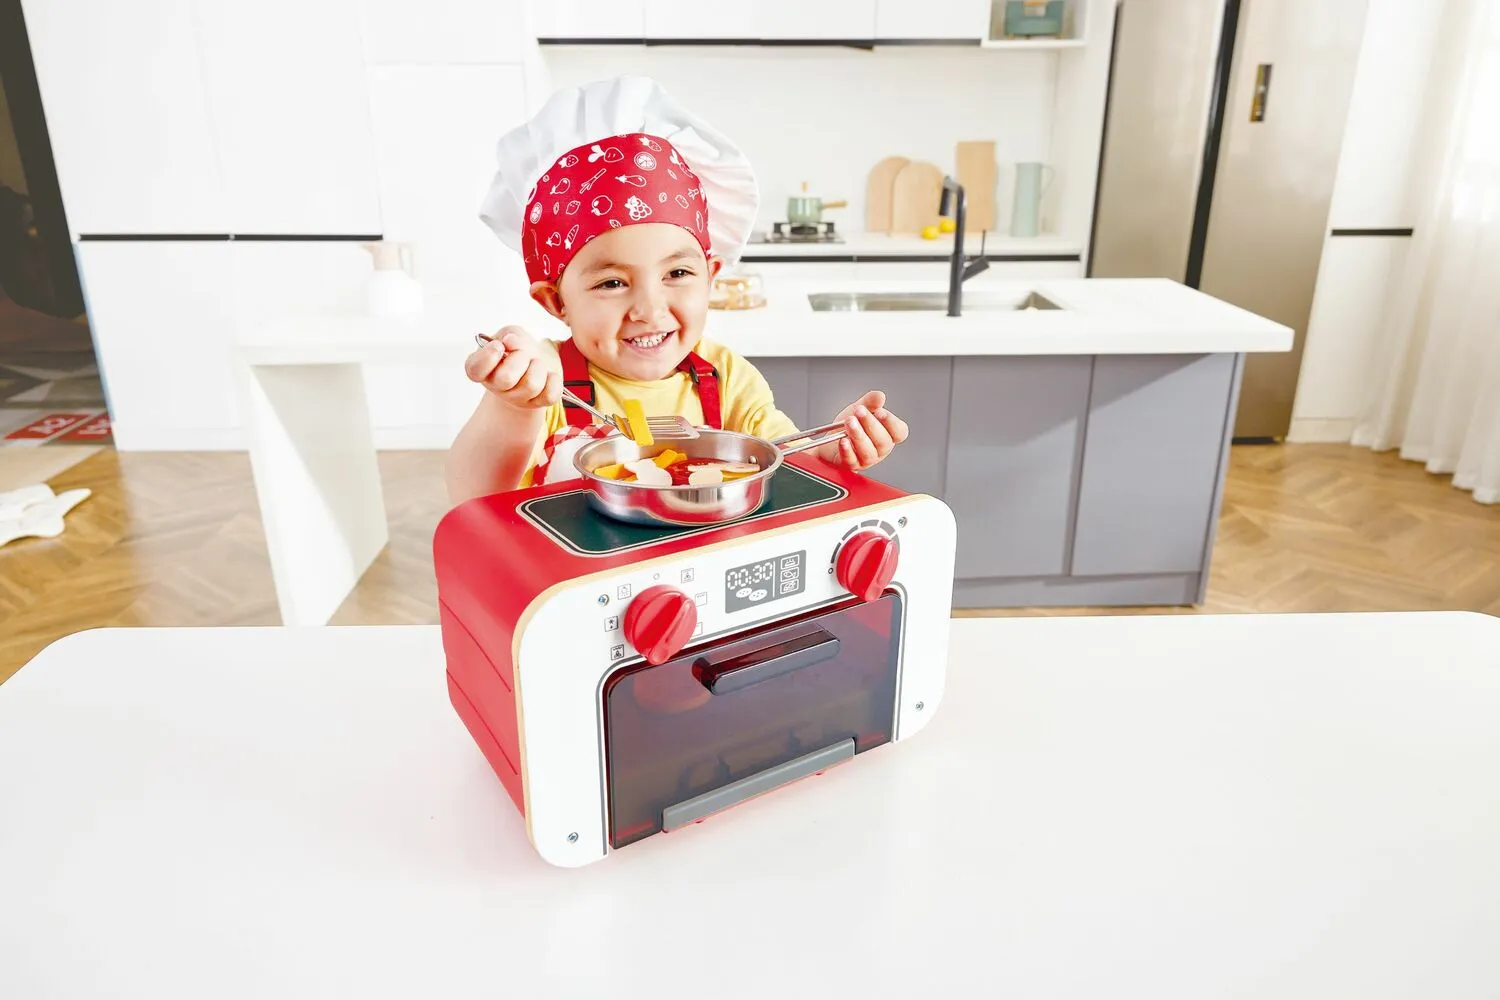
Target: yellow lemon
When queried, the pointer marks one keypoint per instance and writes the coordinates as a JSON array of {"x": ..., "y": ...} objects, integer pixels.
[
  {"x": 930, "y": 232},
  {"x": 947, "y": 225}
]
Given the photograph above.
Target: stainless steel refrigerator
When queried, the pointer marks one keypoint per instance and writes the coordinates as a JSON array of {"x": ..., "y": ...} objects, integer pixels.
[{"x": 1221, "y": 142}]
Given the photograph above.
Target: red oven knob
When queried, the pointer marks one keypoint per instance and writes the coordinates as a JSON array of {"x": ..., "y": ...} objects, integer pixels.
[
  {"x": 866, "y": 564},
  {"x": 659, "y": 622}
]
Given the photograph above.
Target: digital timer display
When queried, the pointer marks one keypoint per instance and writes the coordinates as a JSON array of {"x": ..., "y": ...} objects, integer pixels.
[{"x": 762, "y": 582}]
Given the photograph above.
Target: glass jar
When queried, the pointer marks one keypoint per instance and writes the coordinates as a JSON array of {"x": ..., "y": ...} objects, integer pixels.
[{"x": 737, "y": 288}]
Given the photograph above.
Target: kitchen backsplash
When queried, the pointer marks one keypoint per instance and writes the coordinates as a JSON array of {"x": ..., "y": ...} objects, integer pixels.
[{"x": 827, "y": 116}]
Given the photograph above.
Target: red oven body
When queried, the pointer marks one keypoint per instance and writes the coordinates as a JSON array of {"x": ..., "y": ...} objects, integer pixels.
[{"x": 624, "y": 680}]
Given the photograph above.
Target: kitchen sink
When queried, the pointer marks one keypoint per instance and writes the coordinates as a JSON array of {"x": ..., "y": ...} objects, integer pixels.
[{"x": 923, "y": 301}]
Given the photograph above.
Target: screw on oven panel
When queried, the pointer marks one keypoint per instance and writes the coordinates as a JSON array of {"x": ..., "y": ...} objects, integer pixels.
[
  {"x": 921, "y": 705},
  {"x": 901, "y": 523},
  {"x": 603, "y": 600},
  {"x": 572, "y": 838}
]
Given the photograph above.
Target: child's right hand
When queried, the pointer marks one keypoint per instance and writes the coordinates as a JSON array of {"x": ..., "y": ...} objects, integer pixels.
[{"x": 513, "y": 367}]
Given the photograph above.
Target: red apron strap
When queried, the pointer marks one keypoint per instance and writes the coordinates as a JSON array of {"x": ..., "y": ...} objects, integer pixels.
[
  {"x": 575, "y": 371},
  {"x": 706, "y": 377}
]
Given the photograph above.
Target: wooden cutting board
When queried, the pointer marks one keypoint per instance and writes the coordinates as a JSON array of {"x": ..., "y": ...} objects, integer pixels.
[
  {"x": 915, "y": 199},
  {"x": 879, "y": 191},
  {"x": 978, "y": 173}
]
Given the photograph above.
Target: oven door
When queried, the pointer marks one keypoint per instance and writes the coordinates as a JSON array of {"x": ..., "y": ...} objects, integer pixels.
[{"x": 734, "y": 718}]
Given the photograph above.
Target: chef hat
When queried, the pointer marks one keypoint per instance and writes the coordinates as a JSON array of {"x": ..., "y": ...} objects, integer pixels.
[{"x": 567, "y": 143}]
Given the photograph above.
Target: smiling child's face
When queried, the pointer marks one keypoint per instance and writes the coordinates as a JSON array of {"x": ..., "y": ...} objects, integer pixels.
[{"x": 635, "y": 298}]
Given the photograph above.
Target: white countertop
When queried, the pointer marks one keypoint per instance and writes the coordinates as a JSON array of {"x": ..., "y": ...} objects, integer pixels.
[
  {"x": 876, "y": 245},
  {"x": 1098, "y": 316},
  {"x": 1299, "y": 806}
]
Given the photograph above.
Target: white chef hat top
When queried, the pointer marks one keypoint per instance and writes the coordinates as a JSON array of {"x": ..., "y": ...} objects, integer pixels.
[{"x": 577, "y": 116}]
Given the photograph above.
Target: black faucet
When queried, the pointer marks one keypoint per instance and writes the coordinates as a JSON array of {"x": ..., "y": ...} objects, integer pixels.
[{"x": 958, "y": 270}]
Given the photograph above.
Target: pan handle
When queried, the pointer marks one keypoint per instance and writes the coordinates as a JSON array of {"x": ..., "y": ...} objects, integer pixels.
[{"x": 820, "y": 436}]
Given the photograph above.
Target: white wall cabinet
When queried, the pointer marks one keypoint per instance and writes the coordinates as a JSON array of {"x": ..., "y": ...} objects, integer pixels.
[
  {"x": 161, "y": 322},
  {"x": 768, "y": 19},
  {"x": 435, "y": 134},
  {"x": 932, "y": 19},
  {"x": 286, "y": 86},
  {"x": 121, "y": 87},
  {"x": 823, "y": 19},
  {"x": 671, "y": 19},
  {"x": 588, "y": 18},
  {"x": 448, "y": 32}
]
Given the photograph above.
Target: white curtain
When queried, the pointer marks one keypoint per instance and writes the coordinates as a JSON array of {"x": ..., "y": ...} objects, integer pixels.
[{"x": 1436, "y": 394}]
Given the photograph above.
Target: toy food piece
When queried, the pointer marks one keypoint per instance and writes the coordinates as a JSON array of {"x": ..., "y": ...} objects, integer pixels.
[
  {"x": 683, "y": 471},
  {"x": 648, "y": 473},
  {"x": 635, "y": 418}
]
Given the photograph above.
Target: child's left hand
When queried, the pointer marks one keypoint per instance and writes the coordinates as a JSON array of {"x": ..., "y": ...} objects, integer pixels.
[{"x": 872, "y": 432}]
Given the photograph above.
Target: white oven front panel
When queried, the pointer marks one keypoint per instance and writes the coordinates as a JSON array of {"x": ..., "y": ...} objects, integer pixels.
[{"x": 574, "y": 638}]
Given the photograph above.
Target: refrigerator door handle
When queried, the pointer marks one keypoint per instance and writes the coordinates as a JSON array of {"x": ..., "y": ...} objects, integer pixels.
[{"x": 1262, "y": 91}]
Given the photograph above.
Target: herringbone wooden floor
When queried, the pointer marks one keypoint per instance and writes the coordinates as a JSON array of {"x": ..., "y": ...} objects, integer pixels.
[{"x": 175, "y": 539}]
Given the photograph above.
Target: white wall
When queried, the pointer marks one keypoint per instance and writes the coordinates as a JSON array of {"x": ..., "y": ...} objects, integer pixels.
[
  {"x": 1373, "y": 190},
  {"x": 826, "y": 116}
]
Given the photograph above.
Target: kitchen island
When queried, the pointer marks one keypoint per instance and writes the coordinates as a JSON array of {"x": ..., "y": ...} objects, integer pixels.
[{"x": 1078, "y": 428}]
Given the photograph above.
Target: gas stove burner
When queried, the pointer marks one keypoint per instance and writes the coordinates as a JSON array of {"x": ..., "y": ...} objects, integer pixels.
[{"x": 822, "y": 232}]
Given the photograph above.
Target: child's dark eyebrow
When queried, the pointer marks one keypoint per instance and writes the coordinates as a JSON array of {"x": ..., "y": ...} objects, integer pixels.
[{"x": 610, "y": 265}]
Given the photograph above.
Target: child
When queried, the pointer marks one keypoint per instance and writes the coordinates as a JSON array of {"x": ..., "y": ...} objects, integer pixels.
[{"x": 624, "y": 207}]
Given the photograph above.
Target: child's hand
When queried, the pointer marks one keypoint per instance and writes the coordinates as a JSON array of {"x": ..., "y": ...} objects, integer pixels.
[
  {"x": 872, "y": 432},
  {"x": 513, "y": 367}
]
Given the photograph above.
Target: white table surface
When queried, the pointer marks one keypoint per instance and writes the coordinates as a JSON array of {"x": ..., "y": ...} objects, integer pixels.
[{"x": 1184, "y": 806}]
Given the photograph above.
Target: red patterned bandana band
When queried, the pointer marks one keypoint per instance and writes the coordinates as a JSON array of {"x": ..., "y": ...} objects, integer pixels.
[{"x": 604, "y": 185}]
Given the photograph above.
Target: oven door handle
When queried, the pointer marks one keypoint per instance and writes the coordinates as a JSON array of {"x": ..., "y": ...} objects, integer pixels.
[{"x": 773, "y": 660}]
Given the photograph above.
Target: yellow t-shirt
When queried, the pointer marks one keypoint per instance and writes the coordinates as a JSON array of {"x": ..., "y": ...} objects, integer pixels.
[{"x": 746, "y": 404}]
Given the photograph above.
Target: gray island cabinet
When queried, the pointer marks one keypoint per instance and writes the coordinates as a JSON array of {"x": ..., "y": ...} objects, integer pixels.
[{"x": 1076, "y": 480}]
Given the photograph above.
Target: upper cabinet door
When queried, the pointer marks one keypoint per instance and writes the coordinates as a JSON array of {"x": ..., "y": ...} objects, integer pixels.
[
  {"x": 443, "y": 32},
  {"x": 588, "y": 18},
  {"x": 291, "y": 112},
  {"x": 769, "y": 19},
  {"x": 794, "y": 19},
  {"x": 675, "y": 19},
  {"x": 122, "y": 91},
  {"x": 932, "y": 19}
]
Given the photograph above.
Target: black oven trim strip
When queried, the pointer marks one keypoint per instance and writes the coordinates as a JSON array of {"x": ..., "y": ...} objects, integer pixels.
[{"x": 564, "y": 543}]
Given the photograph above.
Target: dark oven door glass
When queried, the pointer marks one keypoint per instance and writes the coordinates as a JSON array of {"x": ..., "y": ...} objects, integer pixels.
[{"x": 734, "y": 718}]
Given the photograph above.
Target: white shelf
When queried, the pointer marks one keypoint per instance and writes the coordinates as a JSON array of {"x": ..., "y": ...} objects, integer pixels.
[{"x": 1075, "y": 24}]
